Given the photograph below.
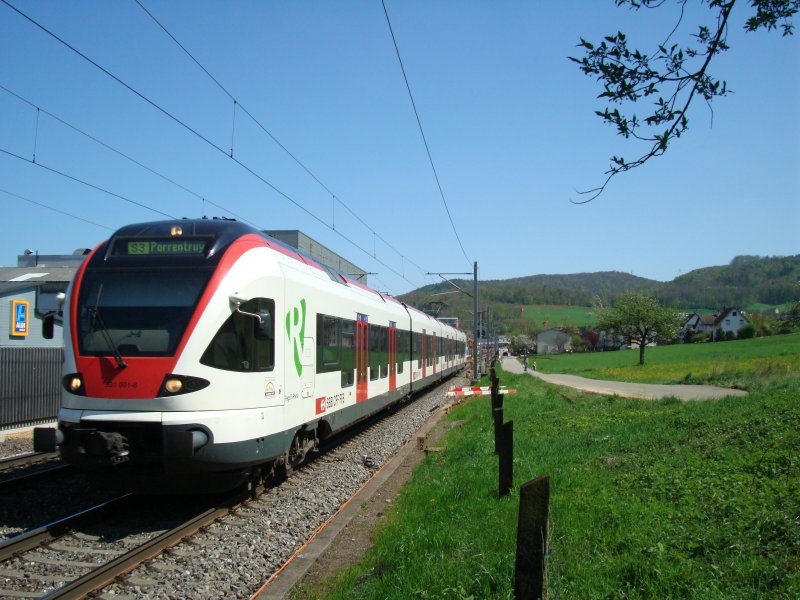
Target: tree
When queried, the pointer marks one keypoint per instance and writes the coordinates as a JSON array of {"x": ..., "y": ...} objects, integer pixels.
[
  {"x": 639, "y": 318},
  {"x": 674, "y": 75},
  {"x": 521, "y": 344},
  {"x": 791, "y": 320}
]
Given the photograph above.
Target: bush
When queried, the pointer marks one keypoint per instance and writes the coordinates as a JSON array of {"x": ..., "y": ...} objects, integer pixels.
[{"x": 747, "y": 332}]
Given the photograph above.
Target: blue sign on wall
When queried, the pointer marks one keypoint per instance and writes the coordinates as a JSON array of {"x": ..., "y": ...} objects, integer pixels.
[{"x": 19, "y": 315}]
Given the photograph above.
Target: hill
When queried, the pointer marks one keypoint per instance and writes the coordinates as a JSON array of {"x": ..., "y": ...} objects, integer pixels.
[{"x": 745, "y": 281}]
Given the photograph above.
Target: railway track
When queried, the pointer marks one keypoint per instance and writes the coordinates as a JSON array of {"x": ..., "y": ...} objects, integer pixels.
[
  {"x": 119, "y": 546},
  {"x": 29, "y": 470},
  {"x": 79, "y": 554},
  {"x": 23, "y": 460}
]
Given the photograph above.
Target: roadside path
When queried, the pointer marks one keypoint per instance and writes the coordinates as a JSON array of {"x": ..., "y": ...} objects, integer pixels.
[{"x": 648, "y": 391}]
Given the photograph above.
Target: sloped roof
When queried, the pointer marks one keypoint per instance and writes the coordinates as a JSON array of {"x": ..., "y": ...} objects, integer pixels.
[{"x": 34, "y": 275}]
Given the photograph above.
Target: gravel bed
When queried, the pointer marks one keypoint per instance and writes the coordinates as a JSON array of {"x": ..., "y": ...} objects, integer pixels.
[
  {"x": 16, "y": 444},
  {"x": 234, "y": 557}
]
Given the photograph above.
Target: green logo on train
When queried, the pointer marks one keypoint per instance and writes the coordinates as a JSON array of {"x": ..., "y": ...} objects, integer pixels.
[{"x": 295, "y": 331}]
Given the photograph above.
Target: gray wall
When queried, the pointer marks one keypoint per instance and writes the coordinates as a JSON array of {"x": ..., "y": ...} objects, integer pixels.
[{"x": 34, "y": 337}]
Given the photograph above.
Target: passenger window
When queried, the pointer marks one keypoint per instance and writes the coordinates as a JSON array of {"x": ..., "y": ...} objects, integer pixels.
[
  {"x": 374, "y": 352},
  {"x": 245, "y": 342},
  {"x": 328, "y": 344},
  {"x": 399, "y": 335},
  {"x": 348, "y": 352}
]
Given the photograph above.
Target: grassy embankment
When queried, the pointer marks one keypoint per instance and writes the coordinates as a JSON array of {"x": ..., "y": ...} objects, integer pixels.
[{"x": 650, "y": 499}]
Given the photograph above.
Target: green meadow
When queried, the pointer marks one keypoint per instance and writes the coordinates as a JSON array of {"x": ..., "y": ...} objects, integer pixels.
[
  {"x": 731, "y": 364},
  {"x": 649, "y": 499}
]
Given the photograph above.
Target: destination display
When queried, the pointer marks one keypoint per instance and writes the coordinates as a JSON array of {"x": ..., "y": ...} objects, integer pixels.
[{"x": 159, "y": 247}]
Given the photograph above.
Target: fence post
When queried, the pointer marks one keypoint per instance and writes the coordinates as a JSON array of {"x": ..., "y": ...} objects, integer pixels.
[
  {"x": 497, "y": 410},
  {"x": 506, "y": 479},
  {"x": 529, "y": 574}
]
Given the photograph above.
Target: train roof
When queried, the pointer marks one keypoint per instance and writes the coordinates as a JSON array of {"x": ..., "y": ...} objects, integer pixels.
[{"x": 225, "y": 231}]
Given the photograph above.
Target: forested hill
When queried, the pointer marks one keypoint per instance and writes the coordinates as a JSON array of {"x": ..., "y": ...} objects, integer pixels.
[{"x": 746, "y": 280}]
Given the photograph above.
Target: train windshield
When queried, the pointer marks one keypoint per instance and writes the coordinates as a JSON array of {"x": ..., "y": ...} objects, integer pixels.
[{"x": 136, "y": 313}]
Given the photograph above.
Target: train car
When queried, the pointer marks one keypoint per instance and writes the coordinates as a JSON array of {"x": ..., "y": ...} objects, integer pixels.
[{"x": 203, "y": 353}]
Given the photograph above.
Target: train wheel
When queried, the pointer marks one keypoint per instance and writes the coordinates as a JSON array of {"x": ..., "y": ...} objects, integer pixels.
[{"x": 297, "y": 452}]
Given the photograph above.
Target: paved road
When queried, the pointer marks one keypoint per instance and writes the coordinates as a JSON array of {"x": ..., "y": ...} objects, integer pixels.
[{"x": 649, "y": 391}]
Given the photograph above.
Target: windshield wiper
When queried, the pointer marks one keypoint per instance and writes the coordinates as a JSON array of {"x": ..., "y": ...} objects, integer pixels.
[{"x": 107, "y": 337}]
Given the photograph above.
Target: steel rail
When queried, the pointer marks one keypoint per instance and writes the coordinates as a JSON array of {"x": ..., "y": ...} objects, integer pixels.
[
  {"x": 36, "y": 537},
  {"x": 13, "y": 483},
  {"x": 29, "y": 458},
  {"x": 107, "y": 573}
]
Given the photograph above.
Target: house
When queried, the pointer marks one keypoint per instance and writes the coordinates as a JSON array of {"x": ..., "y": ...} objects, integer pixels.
[
  {"x": 731, "y": 319},
  {"x": 716, "y": 325},
  {"x": 553, "y": 341}
]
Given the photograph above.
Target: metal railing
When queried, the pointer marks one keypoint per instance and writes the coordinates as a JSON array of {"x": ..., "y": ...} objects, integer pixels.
[{"x": 30, "y": 385}]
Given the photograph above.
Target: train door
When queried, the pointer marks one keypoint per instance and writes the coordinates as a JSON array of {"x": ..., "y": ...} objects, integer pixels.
[
  {"x": 362, "y": 357},
  {"x": 392, "y": 355},
  {"x": 307, "y": 380},
  {"x": 424, "y": 354}
]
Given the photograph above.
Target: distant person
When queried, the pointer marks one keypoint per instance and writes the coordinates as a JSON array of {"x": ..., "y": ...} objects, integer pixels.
[
  {"x": 534, "y": 365},
  {"x": 525, "y": 364}
]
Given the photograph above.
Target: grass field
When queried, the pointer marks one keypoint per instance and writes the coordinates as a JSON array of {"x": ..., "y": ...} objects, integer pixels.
[
  {"x": 649, "y": 499},
  {"x": 730, "y": 364}
]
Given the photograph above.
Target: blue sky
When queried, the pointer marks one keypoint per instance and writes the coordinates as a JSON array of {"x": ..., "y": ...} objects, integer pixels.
[{"x": 508, "y": 118}]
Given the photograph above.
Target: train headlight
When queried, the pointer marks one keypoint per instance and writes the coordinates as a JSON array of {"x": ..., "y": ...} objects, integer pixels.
[
  {"x": 73, "y": 383},
  {"x": 174, "y": 385}
]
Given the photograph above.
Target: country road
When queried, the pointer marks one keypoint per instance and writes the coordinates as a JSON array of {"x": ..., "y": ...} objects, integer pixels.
[{"x": 648, "y": 391}]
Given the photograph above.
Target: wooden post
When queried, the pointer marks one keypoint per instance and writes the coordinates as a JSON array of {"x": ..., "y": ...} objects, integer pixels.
[
  {"x": 497, "y": 411},
  {"x": 529, "y": 574},
  {"x": 506, "y": 458}
]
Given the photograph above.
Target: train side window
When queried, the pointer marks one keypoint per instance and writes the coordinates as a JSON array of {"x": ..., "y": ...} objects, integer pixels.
[
  {"x": 328, "y": 344},
  {"x": 384, "y": 350},
  {"x": 348, "y": 352},
  {"x": 245, "y": 343},
  {"x": 374, "y": 352},
  {"x": 399, "y": 336}
]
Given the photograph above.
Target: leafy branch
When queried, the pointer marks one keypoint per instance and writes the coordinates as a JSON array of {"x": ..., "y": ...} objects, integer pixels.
[{"x": 675, "y": 76}]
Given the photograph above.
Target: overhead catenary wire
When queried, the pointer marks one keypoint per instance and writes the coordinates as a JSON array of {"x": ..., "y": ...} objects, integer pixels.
[
  {"x": 48, "y": 207},
  {"x": 237, "y": 104},
  {"x": 198, "y": 135},
  {"x": 86, "y": 183},
  {"x": 122, "y": 154},
  {"x": 422, "y": 132},
  {"x": 131, "y": 159}
]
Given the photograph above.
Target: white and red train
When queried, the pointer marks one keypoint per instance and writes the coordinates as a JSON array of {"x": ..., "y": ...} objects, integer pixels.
[{"x": 200, "y": 353}]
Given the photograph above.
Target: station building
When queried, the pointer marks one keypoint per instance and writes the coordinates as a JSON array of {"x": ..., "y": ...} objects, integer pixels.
[
  {"x": 29, "y": 291},
  {"x": 305, "y": 245}
]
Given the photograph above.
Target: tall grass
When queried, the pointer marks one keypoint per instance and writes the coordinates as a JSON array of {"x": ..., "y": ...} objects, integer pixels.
[{"x": 649, "y": 499}]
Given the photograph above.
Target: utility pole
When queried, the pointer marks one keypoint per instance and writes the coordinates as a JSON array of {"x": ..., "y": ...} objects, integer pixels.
[
  {"x": 475, "y": 376},
  {"x": 474, "y": 312}
]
